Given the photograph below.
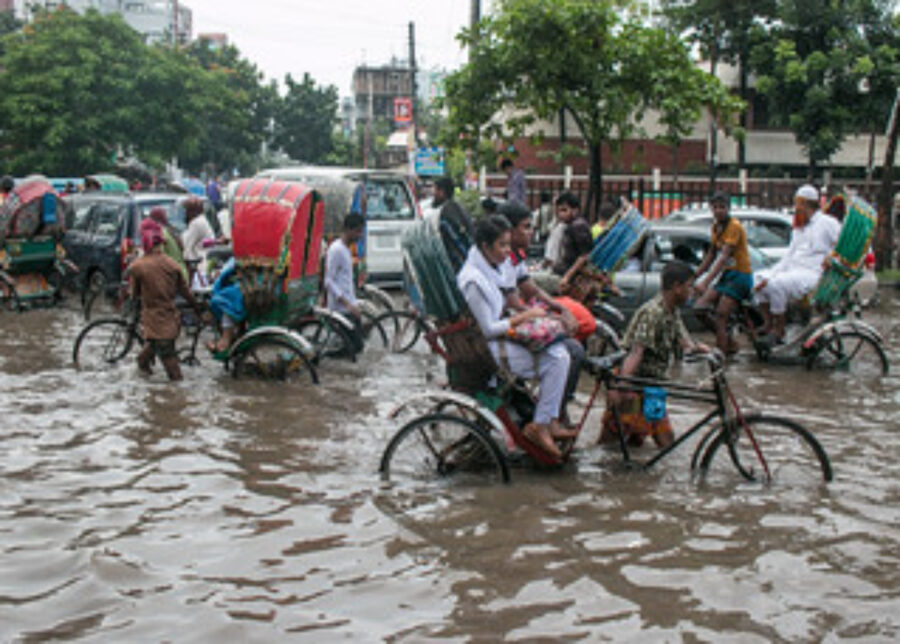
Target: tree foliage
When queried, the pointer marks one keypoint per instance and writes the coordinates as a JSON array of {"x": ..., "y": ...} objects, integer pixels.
[
  {"x": 306, "y": 119},
  {"x": 79, "y": 89},
  {"x": 605, "y": 68},
  {"x": 829, "y": 69}
]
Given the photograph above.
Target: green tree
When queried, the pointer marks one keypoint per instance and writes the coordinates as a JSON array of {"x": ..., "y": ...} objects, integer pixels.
[
  {"x": 815, "y": 70},
  {"x": 234, "y": 107},
  {"x": 8, "y": 24},
  {"x": 305, "y": 119},
  {"x": 534, "y": 58},
  {"x": 727, "y": 31},
  {"x": 68, "y": 101}
]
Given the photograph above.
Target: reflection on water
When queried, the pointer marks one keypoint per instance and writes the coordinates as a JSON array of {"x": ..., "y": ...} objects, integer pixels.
[{"x": 133, "y": 510}]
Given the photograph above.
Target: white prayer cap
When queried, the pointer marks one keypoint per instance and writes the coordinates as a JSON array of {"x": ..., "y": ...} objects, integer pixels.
[{"x": 808, "y": 192}]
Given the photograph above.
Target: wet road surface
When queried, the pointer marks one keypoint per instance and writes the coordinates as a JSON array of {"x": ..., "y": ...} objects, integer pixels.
[{"x": 223, "y": 510}]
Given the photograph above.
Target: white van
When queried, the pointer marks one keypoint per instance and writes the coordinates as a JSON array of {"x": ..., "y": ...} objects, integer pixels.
[{"x": 382, "y": 197}]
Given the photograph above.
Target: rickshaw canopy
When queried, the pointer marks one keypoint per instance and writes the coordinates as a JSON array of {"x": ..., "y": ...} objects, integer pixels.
[
  {"x": 32, "y": 208},
  {"x": 278, "y": 224},
  {"x": 107, "y": 182}
]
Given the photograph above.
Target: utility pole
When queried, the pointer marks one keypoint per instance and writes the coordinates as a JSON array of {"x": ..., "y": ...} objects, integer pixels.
[
  {"x": 884, "y": 232},
  {"x": 474, "y": 12},
  {"x": 371, "y": 115},
  {"x": 175, "y": 22},
  {"x": 412, "y": 78}
]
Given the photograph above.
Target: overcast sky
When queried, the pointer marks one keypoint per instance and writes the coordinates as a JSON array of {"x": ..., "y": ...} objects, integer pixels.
[{"x": 329, "y": 38}]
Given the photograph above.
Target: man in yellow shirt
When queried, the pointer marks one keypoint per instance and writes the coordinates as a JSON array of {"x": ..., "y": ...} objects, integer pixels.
[{"x": 728, "y": 256}]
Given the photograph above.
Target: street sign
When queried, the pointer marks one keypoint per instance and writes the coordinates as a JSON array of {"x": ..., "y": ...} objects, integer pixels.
[
  {"x": 403, "y": 110},
  {"x": 429, "y": 162}
]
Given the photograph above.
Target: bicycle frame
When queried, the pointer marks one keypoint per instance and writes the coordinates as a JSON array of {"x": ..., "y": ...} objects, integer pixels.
[{"x": 714, "y": 395}]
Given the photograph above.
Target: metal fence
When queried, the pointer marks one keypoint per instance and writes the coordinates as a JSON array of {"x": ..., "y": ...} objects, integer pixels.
[{"x": 657, "y": 199}]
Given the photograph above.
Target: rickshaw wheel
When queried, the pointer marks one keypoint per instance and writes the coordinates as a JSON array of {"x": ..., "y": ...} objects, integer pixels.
[
  {"x": 329, "y": 339},
  {"x": 9, "y": 299},
  {"x": 849, "y": 351},
  {"x": 103, "y": 343},
  {"x": 273, "y": 357},
  {"x": 443, "y": 447},
  {"x": 398, "y": 331}
]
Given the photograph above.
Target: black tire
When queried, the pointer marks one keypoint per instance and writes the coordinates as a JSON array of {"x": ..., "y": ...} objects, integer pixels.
[
  {"x": 103, "y": 343},
  {"x": 442, "y": 447},
  {"x": 378, "y": 297},
  {"x": 793, "y": 455},
  {"x": 9, "y": 299},
  {"x": 273, "y": 357},
  {"x": 397, "y": 331},
  {"x": 850, "y": 351},
  {"x": 329, "y": 338}
]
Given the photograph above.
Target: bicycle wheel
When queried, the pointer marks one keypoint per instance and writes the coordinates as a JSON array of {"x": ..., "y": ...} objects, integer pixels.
[
  {"x": 850, "y": 351},
  {"x": 273, "y": 357},
  {"x": 398, "y": 330},
  {"x": 103, "y": 343},
  {"x": 328, "y": 338},
  {"x": 791, "y": 455},
  {"x": 443, "y": 447},
  {"x": 9, "y": 299}
]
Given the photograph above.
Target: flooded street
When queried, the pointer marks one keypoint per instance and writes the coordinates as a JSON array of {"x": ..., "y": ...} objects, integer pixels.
[{"x": 133, "y": 510}]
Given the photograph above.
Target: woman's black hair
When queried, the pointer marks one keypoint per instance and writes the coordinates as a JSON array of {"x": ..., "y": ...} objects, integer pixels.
[{"x": 489, "y": 229}]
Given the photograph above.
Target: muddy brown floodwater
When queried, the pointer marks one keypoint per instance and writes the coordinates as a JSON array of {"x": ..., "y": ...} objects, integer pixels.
[{"x": 133, "y": 510}]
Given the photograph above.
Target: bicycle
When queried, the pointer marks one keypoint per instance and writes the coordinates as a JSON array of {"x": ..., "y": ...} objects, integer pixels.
[
  {"x": 767, "y": 440},
  {"x": 475, "y": 436}
]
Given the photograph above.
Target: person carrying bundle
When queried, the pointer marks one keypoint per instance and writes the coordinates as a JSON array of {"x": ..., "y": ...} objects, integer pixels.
[{"x": 481, "y": 280}]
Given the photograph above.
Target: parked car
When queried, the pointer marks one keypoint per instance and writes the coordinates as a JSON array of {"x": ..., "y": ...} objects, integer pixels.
[
  {"x": 768, "y": 230},
  {"x": 384, "y": 198},
  {"x": 667, "y": 241},
  {"x": 101, "y": 232}
]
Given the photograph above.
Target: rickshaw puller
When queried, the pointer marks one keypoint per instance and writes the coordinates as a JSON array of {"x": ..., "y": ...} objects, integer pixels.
[
  {"x": 341, "y": 294},
  {"x": 156, "y": 279}
]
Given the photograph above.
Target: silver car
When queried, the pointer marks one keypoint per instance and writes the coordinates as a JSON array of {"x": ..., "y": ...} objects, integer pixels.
[
  {"x": 767, "y": 230},
  {"x": 640, "y": 279}
]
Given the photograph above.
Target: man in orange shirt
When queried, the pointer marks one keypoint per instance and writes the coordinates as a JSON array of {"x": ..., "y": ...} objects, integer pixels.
[{"x": 727, "y": 255}]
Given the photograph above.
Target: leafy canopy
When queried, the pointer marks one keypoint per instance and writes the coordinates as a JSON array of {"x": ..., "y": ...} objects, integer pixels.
[{"x": 603, "y": 66}]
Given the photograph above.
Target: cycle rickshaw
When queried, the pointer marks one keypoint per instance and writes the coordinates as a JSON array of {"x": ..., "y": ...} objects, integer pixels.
[
  {"x": 833, "y": 339},
  {"x": 277, "y": 239},
  {"x": 32, "y": 262},
  {"x": 471, "y": 429}
]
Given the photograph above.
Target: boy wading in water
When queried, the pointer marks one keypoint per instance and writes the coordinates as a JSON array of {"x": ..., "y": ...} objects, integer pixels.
[
  {"x": 155, "y": 281},
  {"x": 654, "y": 335}
]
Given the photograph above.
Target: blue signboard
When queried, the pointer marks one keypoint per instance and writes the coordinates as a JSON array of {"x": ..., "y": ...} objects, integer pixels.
[{"x": 429, "y": 162}]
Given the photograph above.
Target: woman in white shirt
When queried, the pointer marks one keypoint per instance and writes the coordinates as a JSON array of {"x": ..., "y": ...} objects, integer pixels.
[{"x": 480, "y": 280}]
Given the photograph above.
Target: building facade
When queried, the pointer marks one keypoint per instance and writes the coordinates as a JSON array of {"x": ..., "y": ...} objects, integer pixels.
[
  {"x": 156, "y": 20},
  {"x": 375, "y": 88}
]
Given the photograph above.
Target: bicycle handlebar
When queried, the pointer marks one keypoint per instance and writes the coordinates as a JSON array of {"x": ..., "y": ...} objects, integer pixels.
[{"x": 714, "y": 358}]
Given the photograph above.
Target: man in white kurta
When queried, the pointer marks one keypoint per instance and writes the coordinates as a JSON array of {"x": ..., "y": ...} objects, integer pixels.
[{"x": 799, "y": 270}]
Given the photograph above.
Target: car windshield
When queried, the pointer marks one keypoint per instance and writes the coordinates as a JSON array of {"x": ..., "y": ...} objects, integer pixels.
[{"x": 387, "y": 200}]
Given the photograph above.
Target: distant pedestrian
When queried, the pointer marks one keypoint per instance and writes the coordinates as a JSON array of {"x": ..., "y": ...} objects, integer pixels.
[
  {"x": 214, "y": 194},
  {"x": 6, "y": 186},
  {"x": 515, "y": 183}
]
